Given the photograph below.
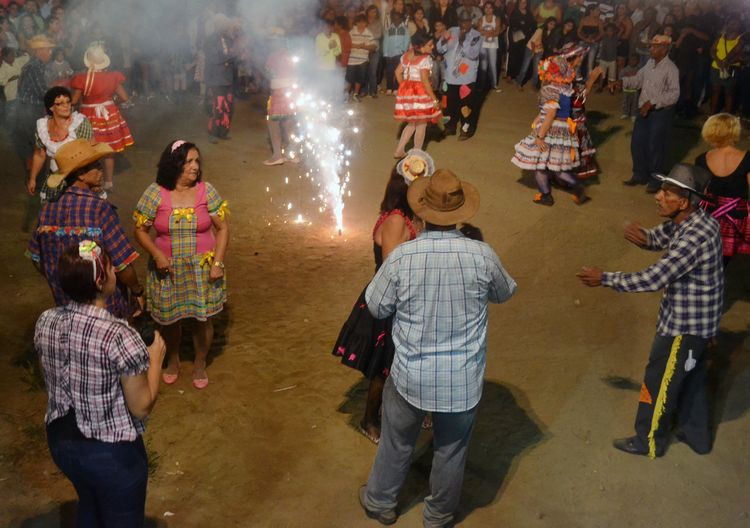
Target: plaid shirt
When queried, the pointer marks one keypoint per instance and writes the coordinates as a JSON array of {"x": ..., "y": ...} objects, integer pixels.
[
  {"x": 438, "y": 285},
  {"x": 32, "y": 83},
  {"x": 77, "y": 215},
  {"x": 84, "y": 350},
  {"x": 691, "y": 273}
]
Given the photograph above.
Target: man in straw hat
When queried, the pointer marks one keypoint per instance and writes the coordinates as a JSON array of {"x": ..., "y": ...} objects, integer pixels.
[
  {"x": 80, "y": 213},
  {"x": 659, "y": 83},
  {"x": 692, "y": 276},
  {"x": 32, "y": 85},
  {"x": 437, "y": 288}
]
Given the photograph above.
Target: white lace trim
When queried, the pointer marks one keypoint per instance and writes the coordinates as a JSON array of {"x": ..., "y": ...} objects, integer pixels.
[{"x": 53, "y": 146}]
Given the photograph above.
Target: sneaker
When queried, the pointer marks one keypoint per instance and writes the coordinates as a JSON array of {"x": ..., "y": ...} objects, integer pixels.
[
  {"x": 624, "y": 116},
  {"x": 498, "y": 90},
  {"x": 389, "y": 92},
  {"x": 544, "y": 199},
  {"x": 387, "y": 518}
]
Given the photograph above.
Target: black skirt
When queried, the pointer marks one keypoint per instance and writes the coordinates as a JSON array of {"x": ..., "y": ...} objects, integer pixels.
[{"x": 364, "y": 342}]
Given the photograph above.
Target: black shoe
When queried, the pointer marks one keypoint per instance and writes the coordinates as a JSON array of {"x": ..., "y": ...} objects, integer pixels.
[
  {"x": 632, "y": 183},
  {"x": 631, "y": 445},
  {"x": 386, "y": 518},
  {"x": 465, "y": 135},
  {"x": 680, "y": 437}
]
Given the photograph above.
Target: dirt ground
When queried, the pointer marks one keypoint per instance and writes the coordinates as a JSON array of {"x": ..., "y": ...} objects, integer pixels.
[{"x": 271, "y": 442}]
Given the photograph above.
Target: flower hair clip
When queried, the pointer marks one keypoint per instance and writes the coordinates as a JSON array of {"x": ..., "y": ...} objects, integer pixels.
[
  {"x": 177, "y": 144},
  {"x": 89, "y": 250}
]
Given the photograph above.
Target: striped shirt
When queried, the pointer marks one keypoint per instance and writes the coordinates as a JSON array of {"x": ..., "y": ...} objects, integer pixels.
[
  {"x": 84, "y": 350},
  {"x": 690, "y": 272},
  {"x": 438, "y": 287},
  {"x": 658, "y": 83},
  {"x": 357, "y": 55}
]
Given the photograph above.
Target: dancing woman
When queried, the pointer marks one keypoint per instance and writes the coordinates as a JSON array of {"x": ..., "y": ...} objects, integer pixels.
[
  {"x": 552, "y": 148},
  {"x": 416, "y": 103}
]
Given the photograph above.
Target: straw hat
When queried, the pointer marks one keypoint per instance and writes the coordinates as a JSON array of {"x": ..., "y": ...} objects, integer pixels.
[
  {"x": 96, "y": 58},
  {"x": 416, "y": 164},
  {"x": 40, "y": 42},
  {"x": 443, "y": 199},
  {"x": 74, "y": 155}
]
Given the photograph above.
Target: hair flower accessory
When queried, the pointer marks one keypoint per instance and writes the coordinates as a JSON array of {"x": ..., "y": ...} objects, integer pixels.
[
  {"x": 89, "y": 250},
  {"x": 177, "y": 144}
]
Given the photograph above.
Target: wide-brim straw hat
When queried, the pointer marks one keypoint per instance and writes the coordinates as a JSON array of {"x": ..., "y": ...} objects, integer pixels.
[
  {"x": 416, "y": 164},
  {"x": 96, "y": 58},
  {"x": 74, "y": 155},
  {"x": 40, "y": 42},
  {"x": 443, "y": 199}
]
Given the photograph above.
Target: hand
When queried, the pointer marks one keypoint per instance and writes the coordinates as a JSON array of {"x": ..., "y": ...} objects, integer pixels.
[
  {"x": 157, "y": 350},
  {"x": 541, "y": 144},
  {"x": 646, "y": 108},
  {"x": 163, "y": 264},
  {"x": 590, "y": 276},
  {"x": 634, "y": 233},
  {"x": 31, "y": 185},
  {"x": 331, "y": 44},
  {"x": 215, "y": 274}
]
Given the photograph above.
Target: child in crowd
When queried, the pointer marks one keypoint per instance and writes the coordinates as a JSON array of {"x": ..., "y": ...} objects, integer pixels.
[
  {"x": 630, "y": 96},
  {"x": 362, "y": 44},
  {"x": 395, "y": 43},
  {"x": 608, "y": 57},
  {"x": 58, "y": 71}
]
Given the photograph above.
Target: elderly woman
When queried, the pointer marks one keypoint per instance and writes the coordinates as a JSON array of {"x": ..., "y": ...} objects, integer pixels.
[
  {"x": 730, "y": 178},
  {"x": 62, "y": 125},
  {"x": 365, "y": 343},
  {"x": 186, "y": 269},
  {"x": 80, "y": 212},
  {"x": 102, "y": 382},
  {"x": 95, "y": 90}
]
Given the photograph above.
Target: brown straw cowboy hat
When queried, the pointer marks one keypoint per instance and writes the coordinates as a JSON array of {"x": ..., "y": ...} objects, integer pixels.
[
  {"x": 40, "y": 42},
  {"x": 74, "y": 155},
  {"x": 443, "y": 199}
]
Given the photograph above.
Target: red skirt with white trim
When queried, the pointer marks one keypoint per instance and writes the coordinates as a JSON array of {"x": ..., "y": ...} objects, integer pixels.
[
  {"x": 108, "y": 125},
  {"x": 413, "y": 103}
]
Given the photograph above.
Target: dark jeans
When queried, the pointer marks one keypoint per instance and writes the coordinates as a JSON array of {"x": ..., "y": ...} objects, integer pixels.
[
  {"x": 391, "y": 63},
  {"x": 648, "y": 146},
  {"x": 455, "y": 104},
  {"x": 674, "y": 386},
  {"x": 109, "y": 477},
  {"x": 372, "y": 73}
]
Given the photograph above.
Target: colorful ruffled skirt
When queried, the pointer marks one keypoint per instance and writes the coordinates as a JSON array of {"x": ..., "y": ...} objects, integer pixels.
[
  {"x": 562, "y": 153},
  {"x": 108, "y": 125}
]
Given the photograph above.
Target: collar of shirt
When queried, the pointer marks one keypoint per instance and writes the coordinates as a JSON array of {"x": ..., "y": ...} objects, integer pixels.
[
  {"x": 90, "y": 310},
  {"x": 434, "y": 233}
]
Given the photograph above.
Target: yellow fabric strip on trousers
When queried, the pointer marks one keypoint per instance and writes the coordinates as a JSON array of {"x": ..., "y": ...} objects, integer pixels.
[{"x": 661, "y": 399}]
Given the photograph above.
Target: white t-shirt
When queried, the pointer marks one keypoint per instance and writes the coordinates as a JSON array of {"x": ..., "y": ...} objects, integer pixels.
[{"x": 491, "y": 42}]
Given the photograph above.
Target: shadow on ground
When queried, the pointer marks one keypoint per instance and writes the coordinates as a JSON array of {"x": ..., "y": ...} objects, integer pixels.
[{"x": 64, "y": 516}]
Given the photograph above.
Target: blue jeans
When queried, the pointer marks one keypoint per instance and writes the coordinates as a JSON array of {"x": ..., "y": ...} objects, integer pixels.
[
  {"x": 488, "y": 65},
  {"x": 529, "y": 59},
  {"x": 648, "y": 145},
  {"x": 372, "y": 73},
  {"x": 109, "y": 477},
  {"x": 402, "y": 423}
]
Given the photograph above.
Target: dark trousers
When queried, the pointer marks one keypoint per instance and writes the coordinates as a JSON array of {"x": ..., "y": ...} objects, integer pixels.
[
  {"x": 648, "y": 146},
  {"x": 109, "y": 477},
  {"x": 391, "y": 63},
  {"x": 674, "y": 387},
  {"x": 455, "y": 104},
  {"x": 222, "y": 109}
]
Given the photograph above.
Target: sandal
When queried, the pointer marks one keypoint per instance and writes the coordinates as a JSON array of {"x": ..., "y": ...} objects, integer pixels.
[
  {"x": 371, "y": 437},
  {"x": 171, "y": 379}
]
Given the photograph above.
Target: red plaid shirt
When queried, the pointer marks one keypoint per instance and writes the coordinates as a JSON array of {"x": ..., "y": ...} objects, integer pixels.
[
  {"x": 81, "y": 214},
  {"x": 84, "y": 350}
]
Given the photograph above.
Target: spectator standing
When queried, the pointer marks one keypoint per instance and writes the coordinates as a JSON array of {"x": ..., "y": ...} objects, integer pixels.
[
  {"x": 575, "y": 11},
  {"x": 643, "y": 31},
  {"x": 521, "y": 27},
  {"x": 440, "y": 272},
  {"x": 467, "y": 7},
  {"x": 220, "y": 58},
  {"x": 59, "y": 70},
  {"x": 548, "y": 9},
  {"x": 341, "y": 27},
  {"x": 10, "y": 71},
  {"x": 327, "y": 47},
  {"x": 419, "y": 24},
  {"x": 624, "y": 30},
  {"x": 445, "y": 13},
  {"x": 490, "y": 26},
  {"x": 534, "y": 53},
  {"x": 608, "y": 57},
  {"x": 591, "y": 31},
  {"x": 726, "y": 53},
  {"x": 693, "y": 57},
  {"x": 658, "y": 82},
  {"x": 395, "y": 43},
  {"x": 375, "y": 26},
  {"x": 629, "y": 95},
  {"x": 363, "y": 44}
]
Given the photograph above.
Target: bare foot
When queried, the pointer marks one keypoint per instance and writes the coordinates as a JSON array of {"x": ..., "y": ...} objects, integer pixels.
[
  {"x": 371, "y": 432},
  {"x": 399, "y": 155}
]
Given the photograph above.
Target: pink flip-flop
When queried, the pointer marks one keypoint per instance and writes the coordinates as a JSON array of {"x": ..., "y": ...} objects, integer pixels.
[
  {"x": 201, "y": 383},
  {"x": 169, "y": 379}
]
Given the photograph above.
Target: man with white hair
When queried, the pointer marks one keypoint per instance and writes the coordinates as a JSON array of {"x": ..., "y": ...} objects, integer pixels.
[{"x": 692, "y": 276}]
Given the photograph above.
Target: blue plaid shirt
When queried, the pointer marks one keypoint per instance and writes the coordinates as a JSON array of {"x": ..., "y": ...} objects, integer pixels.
[
  {"x": 690, "y": 272},
  {"x": 438, "y": 286}
]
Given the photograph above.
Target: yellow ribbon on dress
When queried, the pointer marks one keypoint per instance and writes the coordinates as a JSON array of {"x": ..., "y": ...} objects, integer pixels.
[
  {"x": 141, "y": 219},
  {"x": 223, "y": 210},
  {"x": 183, "y": 213},
  {"x": 207, "y": 259}
]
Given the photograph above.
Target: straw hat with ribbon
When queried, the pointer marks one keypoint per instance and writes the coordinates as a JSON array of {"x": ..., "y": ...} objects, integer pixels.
[
  {"x": 443, "y": 199},
  {"x": 96, "y": 58},
  {"x": 40, "y": 42},
  {"x": 416, "y": 164},
  {"x": 74, "y": 155}
]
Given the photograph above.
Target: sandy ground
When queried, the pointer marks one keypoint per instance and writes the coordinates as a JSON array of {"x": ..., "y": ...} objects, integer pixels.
[{"x": 271, "y": 442}]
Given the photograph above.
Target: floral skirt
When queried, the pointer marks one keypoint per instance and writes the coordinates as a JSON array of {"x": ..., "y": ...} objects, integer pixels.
[
  {"x": 186, "y": 293},
  {"x": 562, "y": 153}
]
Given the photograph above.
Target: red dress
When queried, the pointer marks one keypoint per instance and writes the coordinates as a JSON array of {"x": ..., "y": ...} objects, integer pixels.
[
  {"x": 280, "y": 66},
  {"x": 413, "y": 103},
  {"x": 97, "y": 104}
]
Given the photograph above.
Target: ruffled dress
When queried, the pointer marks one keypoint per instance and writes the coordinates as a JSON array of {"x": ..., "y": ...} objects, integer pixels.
[
  {"x": 413, "y": 103},
  {"x": 562, "y": 153},
  {"x": 280, "y": 67},
  {"x": 364, "y": 342},
  {"x": 587, "y": 151},
  {"x": 185, "y": 235}
]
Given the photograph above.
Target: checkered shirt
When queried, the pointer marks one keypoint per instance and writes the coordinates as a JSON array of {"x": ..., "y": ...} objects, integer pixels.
[
  {"x": 690, "y": 272},
  {"x": 84, "y": 350},
  {"x": 77, "y": 215},
  {"x": 438, "y": 286},
  {"x": 32, "y": 84}
]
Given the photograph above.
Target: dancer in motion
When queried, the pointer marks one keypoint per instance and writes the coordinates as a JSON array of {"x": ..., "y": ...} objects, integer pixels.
[{"x": 552, "y": 148}]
